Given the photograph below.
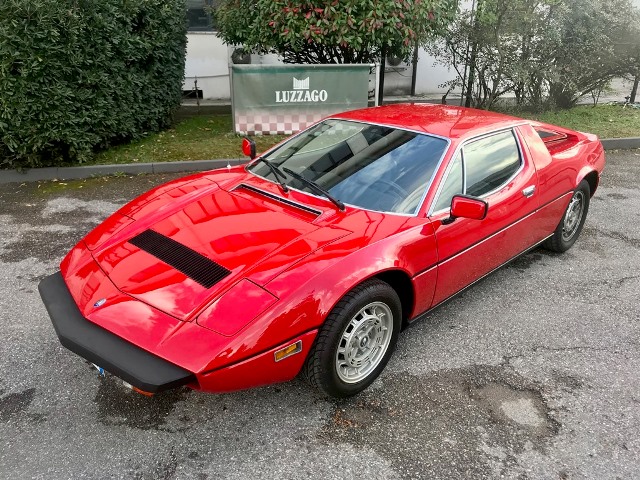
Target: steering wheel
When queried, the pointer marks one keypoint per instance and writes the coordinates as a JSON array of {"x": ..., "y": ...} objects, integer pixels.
[{"x": 393, "y": 188}]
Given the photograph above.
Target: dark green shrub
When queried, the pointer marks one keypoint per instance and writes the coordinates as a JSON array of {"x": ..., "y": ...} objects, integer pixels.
[{"x": 78, "y": 75}]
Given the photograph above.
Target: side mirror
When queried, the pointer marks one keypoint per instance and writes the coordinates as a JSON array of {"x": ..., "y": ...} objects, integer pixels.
[
  {"x": 463, "y": 206},
  {"x": 249, "y": 148}
]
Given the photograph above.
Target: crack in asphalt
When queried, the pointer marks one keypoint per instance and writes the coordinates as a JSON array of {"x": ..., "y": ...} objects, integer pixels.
[
  {"x": 579, "y": 348},
  {"x": 628, "y": 279},
  {"x": 633, "y": 242}
]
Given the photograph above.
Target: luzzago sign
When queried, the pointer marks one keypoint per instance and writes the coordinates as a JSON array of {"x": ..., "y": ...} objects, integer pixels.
[
  {"x": 301, "y": 93},
  {"x": 282, "y": 99}
]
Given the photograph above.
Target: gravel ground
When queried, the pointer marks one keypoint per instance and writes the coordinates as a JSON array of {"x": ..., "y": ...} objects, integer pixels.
[{"x": 531, "y": 374}]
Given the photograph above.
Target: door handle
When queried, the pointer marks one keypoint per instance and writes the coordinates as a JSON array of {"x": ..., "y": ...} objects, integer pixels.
[{"x": 529, "y": 191}]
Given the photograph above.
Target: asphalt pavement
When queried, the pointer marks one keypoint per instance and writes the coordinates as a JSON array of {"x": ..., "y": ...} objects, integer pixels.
[{"x": 531, "y": 374}]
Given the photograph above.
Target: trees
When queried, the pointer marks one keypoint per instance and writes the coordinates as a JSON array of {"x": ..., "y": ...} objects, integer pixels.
[
  {"x": 540, "y": 51},
  {"x": 331, "y": 31},
  {"x": 76, "y": 75},
  {"x": 584, "y": 47},
  {"x": 630, "y": 46},
  {"x": 495, "y": 49}
]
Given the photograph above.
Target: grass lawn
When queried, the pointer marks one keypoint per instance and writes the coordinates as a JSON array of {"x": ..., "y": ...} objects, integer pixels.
[
  {"x": 606, "y": 121},
  {"x": 210, "y": 136},
  {"x": 203, "y": 137}
]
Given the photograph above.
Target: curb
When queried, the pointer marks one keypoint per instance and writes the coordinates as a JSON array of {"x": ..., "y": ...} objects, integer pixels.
[
  {"x": 73, "y": 173},
  {"x": 628, "y": 143}
]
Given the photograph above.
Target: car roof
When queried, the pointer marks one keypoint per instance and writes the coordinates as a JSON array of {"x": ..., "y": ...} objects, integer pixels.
[{"x": 443, "y": 120}]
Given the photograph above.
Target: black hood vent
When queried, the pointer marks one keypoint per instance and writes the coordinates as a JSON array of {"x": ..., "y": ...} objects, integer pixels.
[{"x": 194, "y": 265}]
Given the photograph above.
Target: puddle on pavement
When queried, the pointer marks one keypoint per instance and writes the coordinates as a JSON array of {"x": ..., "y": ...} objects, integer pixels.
[
  {"x": 523, "y": 407},
  {"x": 42, "y": 245},
  {"x": 44, "y": 220},
  {"x": 525, "y": 262},
  {"x": 13, "y": 404},
  {"x": 16, "y": 405},
  {"x": 461, "y": 423},
  {"x": 523, "y": 411},
  {"x": 119, "y": 406}
]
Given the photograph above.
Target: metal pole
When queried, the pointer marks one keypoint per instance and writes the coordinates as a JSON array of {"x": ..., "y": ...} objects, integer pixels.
[
  {"x": 414, "y": 61},
  {"x": 233, "y": 104},
  {"x": 195, "y": 86},
  {"x": 377, "y": 90},
  {"x": 634, "y": 90},
  {"x": 383, "y": 64}
]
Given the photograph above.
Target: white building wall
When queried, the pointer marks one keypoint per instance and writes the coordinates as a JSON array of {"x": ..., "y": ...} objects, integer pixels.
[
  {"x": 208, "y": 61},
  {"x": 430, "y": 76}
]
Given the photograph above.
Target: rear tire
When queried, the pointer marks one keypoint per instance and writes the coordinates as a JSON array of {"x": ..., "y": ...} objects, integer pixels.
[
  {"x": 569, "y": 228},
  {"x": 356, "y": 340}
]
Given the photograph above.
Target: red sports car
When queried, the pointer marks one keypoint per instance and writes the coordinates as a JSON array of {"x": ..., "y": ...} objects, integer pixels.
[{"x": 311, "y": 258}]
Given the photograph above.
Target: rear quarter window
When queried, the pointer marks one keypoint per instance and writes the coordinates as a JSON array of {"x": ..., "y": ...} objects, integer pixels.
[
  {"x": 555, "y": 141},
  {"x": 548, "y": 136}
]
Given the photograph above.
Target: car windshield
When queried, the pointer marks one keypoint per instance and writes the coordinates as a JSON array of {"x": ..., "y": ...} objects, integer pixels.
[{"x": 368, "y": 166}]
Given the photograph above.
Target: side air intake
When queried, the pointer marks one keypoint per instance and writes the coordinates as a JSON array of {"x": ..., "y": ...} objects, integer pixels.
[{"x": 194, "y": 265}]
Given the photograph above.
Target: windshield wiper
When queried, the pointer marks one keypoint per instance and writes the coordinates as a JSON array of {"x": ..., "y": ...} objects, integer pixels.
[
  {"x": 314, "y": 186},
  {"x": 276, "y": 173}
]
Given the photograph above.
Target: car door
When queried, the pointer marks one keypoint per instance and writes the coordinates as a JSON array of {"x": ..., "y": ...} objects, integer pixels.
[{"x": 496, "y": 169}]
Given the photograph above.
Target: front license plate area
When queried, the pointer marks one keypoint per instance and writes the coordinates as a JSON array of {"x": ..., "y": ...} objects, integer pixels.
[{"x": 101, "y": 371}]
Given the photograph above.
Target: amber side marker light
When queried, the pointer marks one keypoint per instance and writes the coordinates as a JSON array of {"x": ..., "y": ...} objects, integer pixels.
[
  {"x": 137, "y": 390},
  {"x": 288, "y": 351}
]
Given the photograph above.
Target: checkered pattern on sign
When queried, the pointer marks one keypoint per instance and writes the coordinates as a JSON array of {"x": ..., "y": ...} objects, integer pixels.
[{"x": 275, "y": 124}]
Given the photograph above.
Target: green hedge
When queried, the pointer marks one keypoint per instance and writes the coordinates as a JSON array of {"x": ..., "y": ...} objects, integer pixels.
[{"x": 80, "y": 75}]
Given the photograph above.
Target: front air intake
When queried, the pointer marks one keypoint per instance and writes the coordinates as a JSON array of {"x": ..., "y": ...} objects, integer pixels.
[{"x": 193, "y": 264}]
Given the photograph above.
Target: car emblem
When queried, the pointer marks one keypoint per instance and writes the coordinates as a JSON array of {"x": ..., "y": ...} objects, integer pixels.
[{"x": 100, "y": 302}]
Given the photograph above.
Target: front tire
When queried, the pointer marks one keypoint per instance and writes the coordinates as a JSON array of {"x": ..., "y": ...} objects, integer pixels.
[
  {"x": 569, "y": 228},
  {"x": 356, "y": 340}
]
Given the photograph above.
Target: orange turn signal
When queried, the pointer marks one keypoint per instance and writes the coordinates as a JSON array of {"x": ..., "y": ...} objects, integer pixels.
[
  {"x": 137, "y": 390},
  {"x": 288, "y": 351}
]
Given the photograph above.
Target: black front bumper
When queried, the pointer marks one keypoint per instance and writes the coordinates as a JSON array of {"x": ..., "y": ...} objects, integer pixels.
[{"x": 101, "y": 347}]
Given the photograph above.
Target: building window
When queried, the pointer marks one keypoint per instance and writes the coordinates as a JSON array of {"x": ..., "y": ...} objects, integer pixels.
[{"x": 199, "y": 17}]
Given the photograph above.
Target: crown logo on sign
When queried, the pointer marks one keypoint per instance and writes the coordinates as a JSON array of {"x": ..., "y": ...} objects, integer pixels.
[{"x": 301, "y": 84}]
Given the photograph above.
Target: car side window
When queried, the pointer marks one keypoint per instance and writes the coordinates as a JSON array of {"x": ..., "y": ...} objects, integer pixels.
[
  {"x": 490, "y": 162},
  {"x": 452, "y": 185}
]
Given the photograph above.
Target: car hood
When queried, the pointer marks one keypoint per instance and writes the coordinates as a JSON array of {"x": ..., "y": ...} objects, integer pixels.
[{"x": 184, "y": 254}]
